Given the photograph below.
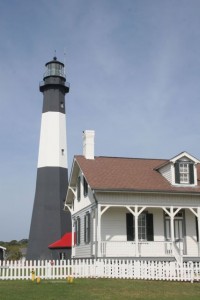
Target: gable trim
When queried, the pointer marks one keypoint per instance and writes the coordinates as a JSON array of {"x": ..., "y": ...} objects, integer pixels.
[{"x": 182, "y": 154}]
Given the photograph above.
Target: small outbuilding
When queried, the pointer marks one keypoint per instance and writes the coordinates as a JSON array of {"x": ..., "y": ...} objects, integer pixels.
[{"x": 2, "y": 253}]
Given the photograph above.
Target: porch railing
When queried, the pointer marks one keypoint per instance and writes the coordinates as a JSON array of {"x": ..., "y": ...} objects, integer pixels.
[
  {"x": 177, "y": 253},
  {"x": 128, "y": 249},
  {"x": 117, "y": 249}
]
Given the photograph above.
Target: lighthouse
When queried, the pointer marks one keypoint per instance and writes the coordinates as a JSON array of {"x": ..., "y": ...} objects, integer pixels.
[{"x": 49, "y": 222}]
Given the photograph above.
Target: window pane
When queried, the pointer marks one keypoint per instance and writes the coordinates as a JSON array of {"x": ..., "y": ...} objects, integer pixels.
[
  {"x": 85, "y": 187},
  {"x": 184, "y": 172},
  {"x": 78, "y": 231},
  {"x": 142, "y": 227},
  {"x": 79, "y": 189},
  {"x": 87, "y": 228}
]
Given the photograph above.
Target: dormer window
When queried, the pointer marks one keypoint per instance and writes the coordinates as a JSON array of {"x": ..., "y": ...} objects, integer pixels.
[{"x": 184, "y": 172}]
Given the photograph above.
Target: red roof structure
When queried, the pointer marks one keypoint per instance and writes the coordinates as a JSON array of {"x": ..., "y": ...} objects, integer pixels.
[{"x": 64, "y": 242}]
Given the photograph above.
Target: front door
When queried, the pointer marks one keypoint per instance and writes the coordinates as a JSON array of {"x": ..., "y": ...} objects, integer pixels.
[
  {"x": 178, "y": 234},
  {"x": 178, "y": 231}
]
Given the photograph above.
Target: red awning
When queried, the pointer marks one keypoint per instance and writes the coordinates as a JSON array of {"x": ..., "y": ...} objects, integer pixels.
[{"x": 64, "y": 242}]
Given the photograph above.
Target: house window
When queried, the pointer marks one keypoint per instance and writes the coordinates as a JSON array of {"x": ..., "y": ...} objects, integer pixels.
[
  {"x": 85, "y": 187},
  {"x": 79, "y": 188},
  {"x": 145, "y": 227},
  {"x": 184, "y": 172},
  {"x": 197, "y": 231},
  {"x": 77, "y": 225},
  {"x": 142, "y": 233},
  {"x": 87, "y": 228}
]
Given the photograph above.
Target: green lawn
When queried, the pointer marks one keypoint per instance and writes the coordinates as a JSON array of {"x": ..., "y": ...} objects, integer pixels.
[{"x": 87, "y": 289}]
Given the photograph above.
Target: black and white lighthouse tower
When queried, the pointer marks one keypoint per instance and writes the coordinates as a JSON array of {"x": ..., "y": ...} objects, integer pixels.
[{"x": 49, "y": 222}]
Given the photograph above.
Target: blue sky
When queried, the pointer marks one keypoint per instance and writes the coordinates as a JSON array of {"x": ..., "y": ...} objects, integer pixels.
[{"x": 134, "y": 70}]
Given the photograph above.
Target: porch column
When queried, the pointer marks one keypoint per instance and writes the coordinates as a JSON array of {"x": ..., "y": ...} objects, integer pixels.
[
  {"x": 136, "y": 214},
  {"x": 136, "y": 232},
  {"x": 172, "y": 223},
  {"x": 196, "y": 212},
  {"x": 93, "y": 232},
  {"x": 73, "y": 254},
  {"x": 171, "y": 213},
  {"x": 98, "y": 230},
  {"x": 198, "y": 223}
]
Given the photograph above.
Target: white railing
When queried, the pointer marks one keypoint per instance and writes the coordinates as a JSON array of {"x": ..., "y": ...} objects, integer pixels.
[
  {"x": 118, "y": 249},
  {"x": 100, "y": 268},
  {"x": 128, "y": 249},
  {"x": 155, "y": 249},
  {"x": 177, "y": 254}
]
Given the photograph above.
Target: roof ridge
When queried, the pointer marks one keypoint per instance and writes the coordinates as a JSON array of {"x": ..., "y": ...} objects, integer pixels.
[{"x": 123, "y": 157}]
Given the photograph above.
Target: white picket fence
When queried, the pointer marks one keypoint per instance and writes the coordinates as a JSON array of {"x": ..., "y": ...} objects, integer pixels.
[{"x": 100, "y": 268}]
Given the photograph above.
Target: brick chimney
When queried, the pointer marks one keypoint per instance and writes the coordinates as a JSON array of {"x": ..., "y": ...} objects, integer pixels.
[{"x": 88, "y": 144}]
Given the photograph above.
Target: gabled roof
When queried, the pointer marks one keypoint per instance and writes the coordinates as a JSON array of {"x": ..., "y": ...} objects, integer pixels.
[
  {"x": 126, "y": 174},
  {"x": 184, "y": 154},
  {"x": 181, "y": 155}
]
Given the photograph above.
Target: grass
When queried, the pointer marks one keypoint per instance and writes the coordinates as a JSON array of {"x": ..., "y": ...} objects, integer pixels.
[{"x": 108, "y": 289}]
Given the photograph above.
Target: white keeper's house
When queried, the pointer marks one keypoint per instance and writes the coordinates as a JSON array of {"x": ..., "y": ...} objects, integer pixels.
[{"x": 134, "y": 207}]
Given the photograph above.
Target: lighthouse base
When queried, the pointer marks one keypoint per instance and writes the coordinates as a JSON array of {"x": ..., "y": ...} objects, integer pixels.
[{"x": 49, "y": 221}]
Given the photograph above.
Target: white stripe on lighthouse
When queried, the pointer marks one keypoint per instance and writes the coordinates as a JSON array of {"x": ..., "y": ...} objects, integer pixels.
[{"x": 52, "y": 147}]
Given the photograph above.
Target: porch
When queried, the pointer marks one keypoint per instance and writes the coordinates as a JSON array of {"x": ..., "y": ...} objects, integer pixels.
[{"x": 174, "y": 234}]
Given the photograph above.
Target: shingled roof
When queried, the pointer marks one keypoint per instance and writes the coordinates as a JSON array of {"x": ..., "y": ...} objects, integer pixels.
[{"x": 128, "y": 174}]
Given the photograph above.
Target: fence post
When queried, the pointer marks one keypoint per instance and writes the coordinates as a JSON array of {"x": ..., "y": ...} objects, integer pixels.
[{"x": 191, "y": 267}]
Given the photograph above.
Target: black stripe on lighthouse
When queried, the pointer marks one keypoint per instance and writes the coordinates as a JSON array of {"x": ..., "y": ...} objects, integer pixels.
[{"x": 54, "y": 88}]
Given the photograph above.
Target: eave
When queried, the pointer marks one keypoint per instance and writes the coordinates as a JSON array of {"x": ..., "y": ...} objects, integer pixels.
[{"x": 136, "y": 191}]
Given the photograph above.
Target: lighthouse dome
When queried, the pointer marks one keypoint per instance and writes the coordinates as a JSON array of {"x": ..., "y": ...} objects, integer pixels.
[{"x": 54, "y": 68}]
